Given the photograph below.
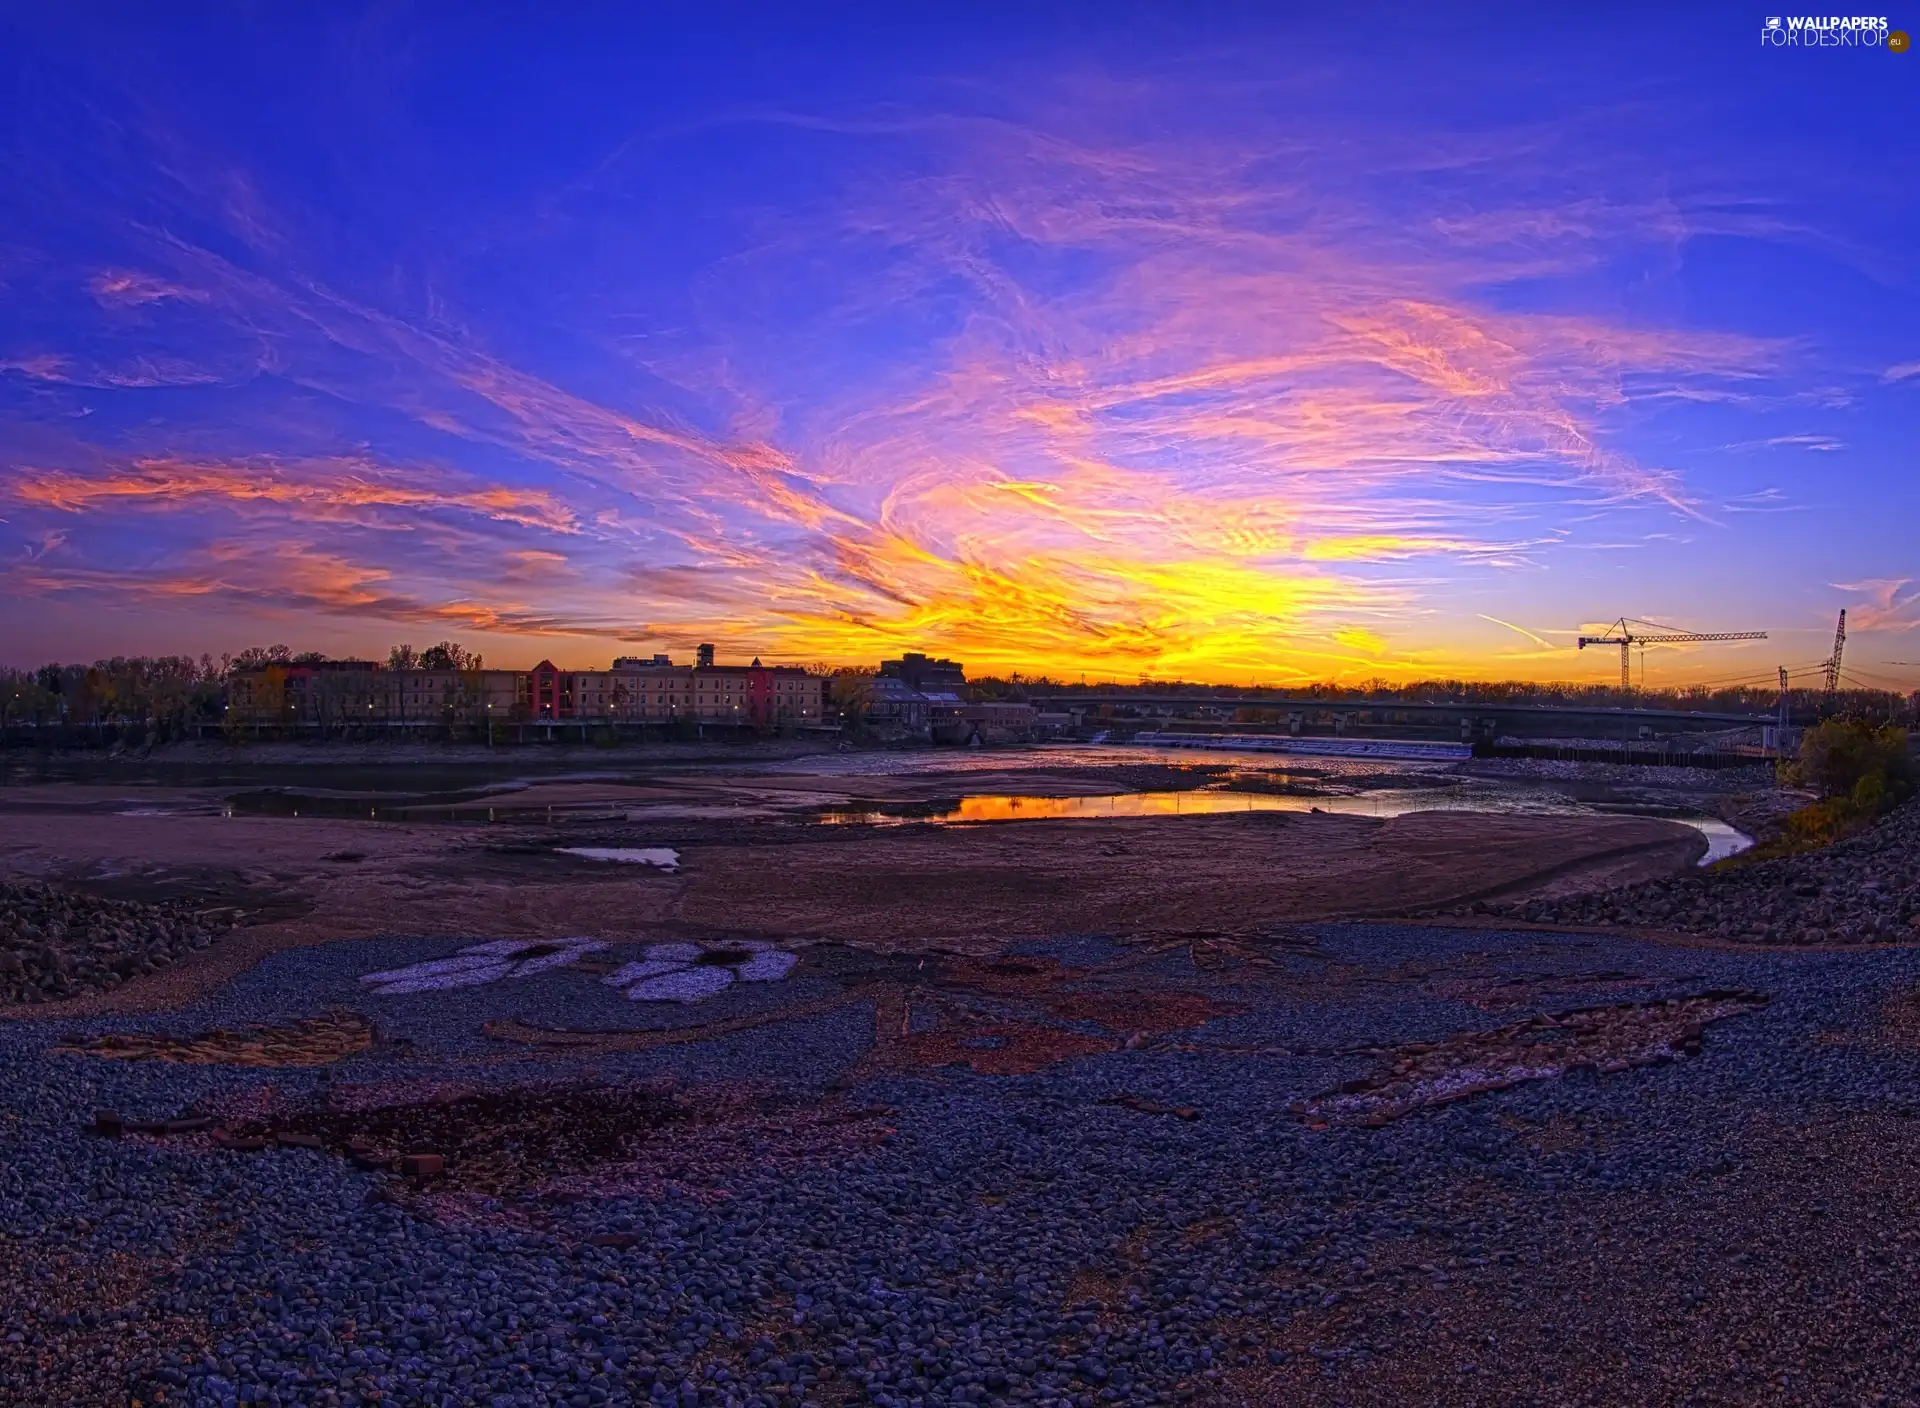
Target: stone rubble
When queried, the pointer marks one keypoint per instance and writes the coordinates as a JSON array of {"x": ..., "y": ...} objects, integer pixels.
[
  {"x": 1864, "y": 890},
  {"x": 57, "y": 943}
]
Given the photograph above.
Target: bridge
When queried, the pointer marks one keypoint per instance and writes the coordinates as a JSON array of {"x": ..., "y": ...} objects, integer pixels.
[{"x": 1612, "y": 720}]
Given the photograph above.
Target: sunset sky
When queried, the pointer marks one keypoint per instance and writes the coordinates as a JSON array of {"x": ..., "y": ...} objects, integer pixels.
[{"x": 1273, "y": 343}]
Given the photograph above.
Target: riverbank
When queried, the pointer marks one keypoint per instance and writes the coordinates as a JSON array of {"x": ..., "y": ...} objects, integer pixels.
[
  {"x": 298, "y": 882},
  {"x": 301, "y": 856},
  {"x": 220, "y": 754},
  {"x": 1863, "y": 890}
]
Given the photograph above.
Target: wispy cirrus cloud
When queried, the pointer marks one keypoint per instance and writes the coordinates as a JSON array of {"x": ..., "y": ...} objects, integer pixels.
[
  {"x": 290, "y": 584},
  {"x": 1042, "y": 391},
  {"x": 1533, "y": 636},
  {"x": 335, "y": 490},
  {"x": 1822, "y": 443},
  {"x": 126, "y": 287},
  {"x": 1768, "y": 500},
  {"x": 1892, "y": 604}
]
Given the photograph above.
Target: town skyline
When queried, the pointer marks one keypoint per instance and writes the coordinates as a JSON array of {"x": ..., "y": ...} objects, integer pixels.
[{"x": 1292, "y": 351}]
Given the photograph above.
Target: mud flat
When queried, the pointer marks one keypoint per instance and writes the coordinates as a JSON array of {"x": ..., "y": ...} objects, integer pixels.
[
  {"x": 903, "y": 887},
  {"x": 297, "y": 881}
]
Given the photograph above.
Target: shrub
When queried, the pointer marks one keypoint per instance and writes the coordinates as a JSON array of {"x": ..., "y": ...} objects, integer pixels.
[{"x": 1871, "y": 767}]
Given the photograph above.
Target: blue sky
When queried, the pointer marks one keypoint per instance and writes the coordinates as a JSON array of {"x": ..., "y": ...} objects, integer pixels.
[{"x": 1248, "y": 344}]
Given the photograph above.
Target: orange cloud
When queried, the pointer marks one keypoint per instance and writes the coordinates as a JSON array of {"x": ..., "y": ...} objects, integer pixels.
[
  {"x": 126, "y": 286},
  {"x": 326, "y": 490},
  {"x": 1204, "y": 454},
  {"x": 296, "y": 580}
]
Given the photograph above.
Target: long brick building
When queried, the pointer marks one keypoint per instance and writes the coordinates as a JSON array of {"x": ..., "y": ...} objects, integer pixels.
[{"x": 652, "y": 690}]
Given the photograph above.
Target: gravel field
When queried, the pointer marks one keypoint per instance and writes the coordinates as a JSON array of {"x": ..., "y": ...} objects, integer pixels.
[
  {"x": 1861, "y": 891},
  {"x": 1361, "y": 1164}
]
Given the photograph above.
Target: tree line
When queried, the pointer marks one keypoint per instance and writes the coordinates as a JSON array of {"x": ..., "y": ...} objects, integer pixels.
[
  {"x": 169, "y": 694},
  {"x": 1883, "y": 705}
]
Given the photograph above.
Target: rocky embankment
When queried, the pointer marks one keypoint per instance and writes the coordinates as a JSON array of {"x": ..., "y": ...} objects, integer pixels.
[
  {"x": 1666, "y": 778},
  {"x": 56, "y": 944},
  {"x": 1860, "y": 891}
]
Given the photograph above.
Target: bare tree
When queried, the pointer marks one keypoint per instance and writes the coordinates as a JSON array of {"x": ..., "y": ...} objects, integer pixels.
[
  {"x": 850, "y": 691},
  {"x": 449, "y": 655}
]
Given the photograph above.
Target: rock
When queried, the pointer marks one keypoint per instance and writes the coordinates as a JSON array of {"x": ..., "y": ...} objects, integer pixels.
[
  {"x": 1834, "y": 896},
  {"x": 54, "y": 944}
]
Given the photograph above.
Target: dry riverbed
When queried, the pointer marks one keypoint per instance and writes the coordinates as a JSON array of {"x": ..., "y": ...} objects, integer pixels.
[
  {"x": 276, "y": 882},
  {"x": 1055, "y": 1112}
]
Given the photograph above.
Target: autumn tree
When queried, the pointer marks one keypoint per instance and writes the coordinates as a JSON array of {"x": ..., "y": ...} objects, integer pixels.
[
  {"x": 1871, "y": 766},
  {"x": 850, "y": 690}
]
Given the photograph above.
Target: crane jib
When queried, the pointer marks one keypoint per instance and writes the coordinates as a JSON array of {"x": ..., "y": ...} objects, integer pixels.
[{"x": 1622, "y": 635}]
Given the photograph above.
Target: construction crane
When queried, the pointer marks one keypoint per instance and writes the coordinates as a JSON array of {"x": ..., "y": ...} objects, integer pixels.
[
  {"x": 1624, "y": 634},
  {"x": 1833, "y": 662},
  {"x": 1783, "y": 722}
]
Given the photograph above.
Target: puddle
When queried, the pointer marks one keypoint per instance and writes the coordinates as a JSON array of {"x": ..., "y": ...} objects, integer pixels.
[
  {"x": 1722, "y": 839},
  {"x": 479, "y": 964},
  {"x": 662, "y": 857},
  {"x": 673, "y": 972},
  {"x": 695, "y": 972}
]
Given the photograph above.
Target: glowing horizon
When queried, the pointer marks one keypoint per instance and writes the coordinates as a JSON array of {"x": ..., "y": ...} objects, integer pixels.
[{"x": 1286, "y": 352}]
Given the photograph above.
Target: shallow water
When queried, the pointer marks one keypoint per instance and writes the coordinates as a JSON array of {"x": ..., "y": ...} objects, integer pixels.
[
  {"x": 662, "y": 857},
  {"x": 1722, "y": 839},
  {"x": 402, "y": 795},
  {"x": 1322, "y": 783},
  {"x": 1075, "y": 755}
]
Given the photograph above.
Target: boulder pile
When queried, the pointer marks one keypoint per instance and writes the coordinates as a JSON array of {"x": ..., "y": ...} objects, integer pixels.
[
  {"x": 1863, "y": 890},
  {"x": 55, "y": 943}
]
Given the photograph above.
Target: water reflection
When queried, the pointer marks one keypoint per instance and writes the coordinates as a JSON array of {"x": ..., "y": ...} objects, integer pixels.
[{"x": 1722, "y": 839}]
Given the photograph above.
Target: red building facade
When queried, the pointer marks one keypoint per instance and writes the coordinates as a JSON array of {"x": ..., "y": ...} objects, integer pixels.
[{"x": 550, "y": 692}]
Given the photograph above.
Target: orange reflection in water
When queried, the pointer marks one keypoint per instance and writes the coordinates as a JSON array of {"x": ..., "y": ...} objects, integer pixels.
[
  {"x": 1125, "y": 804},
  {"x": 1722, "y": 839}
]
